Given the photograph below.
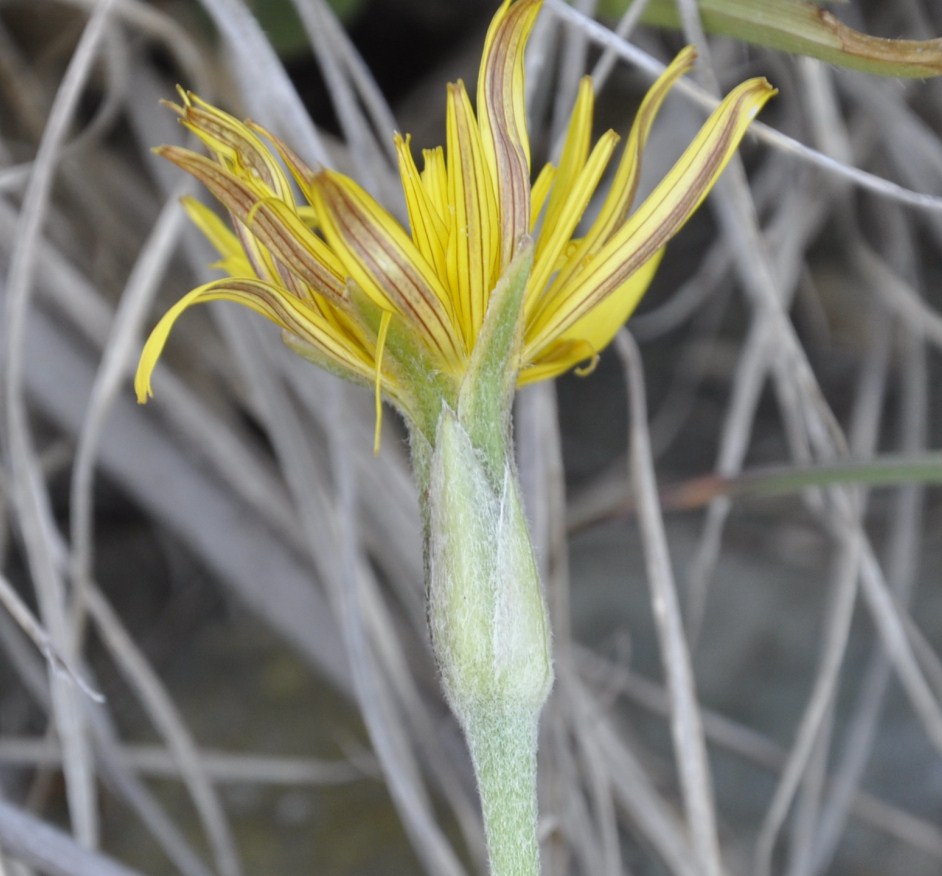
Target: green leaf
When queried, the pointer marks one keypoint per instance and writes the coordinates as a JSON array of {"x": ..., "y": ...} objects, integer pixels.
[
  {"x": 888, "y": 470},
  {"x": 803, "y": 28}
]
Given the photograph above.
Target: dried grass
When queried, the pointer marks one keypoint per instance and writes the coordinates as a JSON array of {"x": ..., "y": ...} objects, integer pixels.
[{"x": 809, "y": 316}]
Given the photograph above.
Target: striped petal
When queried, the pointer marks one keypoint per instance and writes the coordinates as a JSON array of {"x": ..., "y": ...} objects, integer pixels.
[
  {"x": 382, "y": 260},
  {"x": 403, "y": 310},
  {"x": 658, "y": 219},
  {"x": 624, "y": 186},
  {"x": 474, "y": 239},
  {"x": 233, "y": 141},
  {"x": 574, "y": 154},
  {"x": 429, "y": 232},
  {"x": 284, "y": 310},
  {"x": 587, "y": 337},
  {"x": 556, "y": 234},
  {"x": 503, "y": 124},
  {"x": 271, "y": 222},
  {"x": 233, "y": 259},
  {"x": 435, "y": 180}
]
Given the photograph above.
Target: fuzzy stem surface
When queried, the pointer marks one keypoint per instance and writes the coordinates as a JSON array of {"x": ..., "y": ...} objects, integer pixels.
[{"x": 503, "y": 745}]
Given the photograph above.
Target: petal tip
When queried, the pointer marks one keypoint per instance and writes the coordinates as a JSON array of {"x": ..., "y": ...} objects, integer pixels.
[
  {"x": 142, "y": 388},
  {"x": 761, "y": 92},
  {"x": 686, "y": 58},
  {"x": 762, "y": 87}
]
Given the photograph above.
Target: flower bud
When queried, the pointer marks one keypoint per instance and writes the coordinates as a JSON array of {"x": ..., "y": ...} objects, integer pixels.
[{"x": 486, "y": 610}]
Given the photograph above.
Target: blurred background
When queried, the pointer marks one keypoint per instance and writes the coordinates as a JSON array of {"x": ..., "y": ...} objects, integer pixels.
[{"x": 215, "y": 658}]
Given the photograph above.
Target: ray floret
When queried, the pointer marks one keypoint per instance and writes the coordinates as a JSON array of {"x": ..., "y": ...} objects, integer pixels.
[{"x": 378, "y": 302}]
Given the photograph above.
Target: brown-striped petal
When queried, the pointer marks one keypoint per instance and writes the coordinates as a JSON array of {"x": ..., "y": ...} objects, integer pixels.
[
  {"x": 281, "y": 308},
  {"x": 658, "y": 219},
  {"x": 270, "y": 221},
  {"x": 474, "y": 226},
  {"x": 380, "y": 257},
  {"x": 233, "y": 141},
  {"x": 502, "y": 118}
]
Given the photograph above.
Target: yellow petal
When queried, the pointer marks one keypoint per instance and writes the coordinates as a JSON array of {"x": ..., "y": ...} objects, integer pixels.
[
  {"x": 435, "y": 180},
  {"x": 233, "y": 194},
  {"x": 540, "y": 192},
  {"x": 234, "y": 260},
  {"x": 474, "y": 239},
  {"x": 381, "y": 259},
  {"x": 285, "y": 240},
  {"x": 574, "y": 154},
  {"x": 583, "y": 341},
  {"x": 625, "y": 183},
  {"x": 281, "y": 308},
  {"x": 287, "y": 236},
  {"x": 429, "y": 232},
  {"x": 559, "y": 358},
  {"x": 309, "y": 217},
  {"x": 503, "y": 122},
  {"x": 574, "y": 183},
  {"x": 269, "y": 222},
  {"x": 556, "y": 233},
  {"x": 594, "y": 332},
  {"x": 235, "y": 142},
  {"x": 658, "y": 219}
]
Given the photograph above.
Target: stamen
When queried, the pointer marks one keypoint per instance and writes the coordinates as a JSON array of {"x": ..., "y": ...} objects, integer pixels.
[{"x": 590, "y": 365}]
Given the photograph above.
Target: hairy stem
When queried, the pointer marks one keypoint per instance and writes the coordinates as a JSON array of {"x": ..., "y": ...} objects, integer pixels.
[{"x": 503, "y": 750}]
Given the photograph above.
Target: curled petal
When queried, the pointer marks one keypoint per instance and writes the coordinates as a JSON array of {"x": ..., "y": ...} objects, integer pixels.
[
  {"x": 658, "y": 219},
  {"x": 594, "y": 332},
  {"x": 233, "y": 142},
  {"x": 270, "y": 221},
  {"x": 625, "y": 183},
  {"x": 503, "y": 123},
  {"x": 345, "y": 350}
]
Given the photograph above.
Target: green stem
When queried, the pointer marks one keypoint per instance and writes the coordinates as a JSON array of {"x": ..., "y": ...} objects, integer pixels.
[{"x": 503, "y": 750}]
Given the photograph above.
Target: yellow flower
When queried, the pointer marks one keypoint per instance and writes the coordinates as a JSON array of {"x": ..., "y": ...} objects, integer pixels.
[{"x": 402, "y": 310}]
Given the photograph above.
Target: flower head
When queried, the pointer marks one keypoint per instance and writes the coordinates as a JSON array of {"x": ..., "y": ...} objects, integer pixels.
[{"x": 403, "y": 310}]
